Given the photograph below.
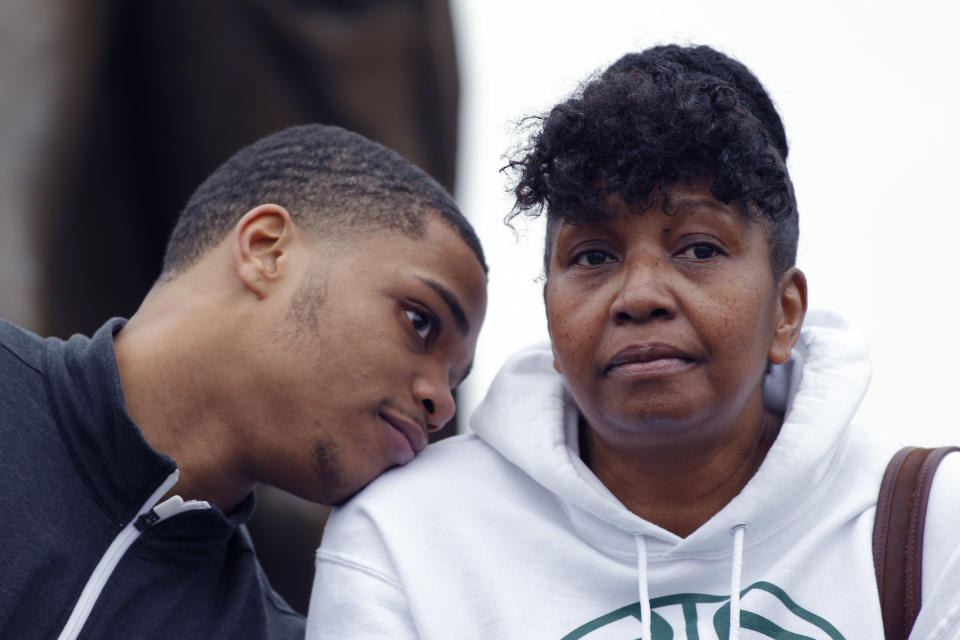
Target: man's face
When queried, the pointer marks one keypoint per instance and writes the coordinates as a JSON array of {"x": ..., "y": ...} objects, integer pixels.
[
  {"x": 663, "y": 325},
  {"x": 376, "y": 334}
]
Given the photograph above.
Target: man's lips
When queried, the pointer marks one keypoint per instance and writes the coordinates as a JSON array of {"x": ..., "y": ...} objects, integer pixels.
[
  {"x": 411, "y": 430},
  {"x": 648, "y": 358}
]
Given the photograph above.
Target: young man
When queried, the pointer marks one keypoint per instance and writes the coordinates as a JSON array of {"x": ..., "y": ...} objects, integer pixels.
[{"x": 320, "y": 297}]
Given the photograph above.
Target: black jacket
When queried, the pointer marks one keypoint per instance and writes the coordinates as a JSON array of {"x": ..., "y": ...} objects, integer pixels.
[{"x": 75, "y": 473}]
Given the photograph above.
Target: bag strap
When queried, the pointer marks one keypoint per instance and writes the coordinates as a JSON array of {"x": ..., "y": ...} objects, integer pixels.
[{"x": 898, "y": 535}]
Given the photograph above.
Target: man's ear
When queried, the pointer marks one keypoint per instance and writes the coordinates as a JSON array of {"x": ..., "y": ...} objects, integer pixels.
[
  {"x": 792, "y": 307},
  {"x": 261, "y": 242}
]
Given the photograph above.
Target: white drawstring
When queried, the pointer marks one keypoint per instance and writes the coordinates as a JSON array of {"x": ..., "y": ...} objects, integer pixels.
[
  {"x": 644, "y": 591},
  {"x": 735, "y": 575}
]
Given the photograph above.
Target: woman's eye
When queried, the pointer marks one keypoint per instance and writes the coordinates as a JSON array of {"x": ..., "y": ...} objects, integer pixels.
[
  {"x": 421, "y": 322},
  {"x": 701, "y": 251},
  {"x": 592, "y": 258}
]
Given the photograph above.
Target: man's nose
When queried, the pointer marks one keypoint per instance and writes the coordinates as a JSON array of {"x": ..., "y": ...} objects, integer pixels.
[{"x": 434, "y": 394}]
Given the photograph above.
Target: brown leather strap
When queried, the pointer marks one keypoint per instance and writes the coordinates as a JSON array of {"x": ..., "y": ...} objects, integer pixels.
[{"x": 898, "y": 536}]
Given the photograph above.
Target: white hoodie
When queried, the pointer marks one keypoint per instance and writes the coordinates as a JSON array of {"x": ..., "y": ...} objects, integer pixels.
[{"x": 505, "y": 533}]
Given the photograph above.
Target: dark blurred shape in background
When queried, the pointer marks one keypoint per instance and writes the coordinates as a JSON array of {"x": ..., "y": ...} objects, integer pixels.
[
  {"x": 152, "y": 96},
  {"x": 160, "y": 93}
]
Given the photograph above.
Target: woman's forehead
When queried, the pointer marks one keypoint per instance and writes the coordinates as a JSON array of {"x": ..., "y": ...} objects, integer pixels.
[{"x": 680, "y": 199}]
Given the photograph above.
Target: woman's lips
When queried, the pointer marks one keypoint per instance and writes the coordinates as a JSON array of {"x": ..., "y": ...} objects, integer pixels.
[{"x": 648, "y": 359}]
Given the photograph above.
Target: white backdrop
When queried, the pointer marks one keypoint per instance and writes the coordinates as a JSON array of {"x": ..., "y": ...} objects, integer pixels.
[{"x": 869, "y": 95}]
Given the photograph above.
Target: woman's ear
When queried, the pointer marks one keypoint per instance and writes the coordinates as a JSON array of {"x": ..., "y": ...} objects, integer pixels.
[
  {"x": 261, "y": 241},
  {"x": 792, "y": 307}
]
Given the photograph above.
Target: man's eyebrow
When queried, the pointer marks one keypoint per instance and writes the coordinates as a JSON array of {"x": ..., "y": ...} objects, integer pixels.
[{"x": 456, "y": 309}]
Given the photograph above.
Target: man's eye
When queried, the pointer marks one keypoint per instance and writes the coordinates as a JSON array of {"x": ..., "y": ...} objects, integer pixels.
[
  {"x": 592, "y": 258},
  {"x": 701, "y": 251},
  {"x": 421, "y": 322}
]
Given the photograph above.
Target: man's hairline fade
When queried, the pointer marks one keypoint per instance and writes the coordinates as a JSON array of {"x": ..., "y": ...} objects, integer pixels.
[{"x": 331, "y": 181}]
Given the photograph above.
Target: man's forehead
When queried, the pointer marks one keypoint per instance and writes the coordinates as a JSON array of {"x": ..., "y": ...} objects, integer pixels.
[{"x": 438, "y": 257}]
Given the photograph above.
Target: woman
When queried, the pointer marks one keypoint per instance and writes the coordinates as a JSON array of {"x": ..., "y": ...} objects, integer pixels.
[{"x": 679, "y": 463}]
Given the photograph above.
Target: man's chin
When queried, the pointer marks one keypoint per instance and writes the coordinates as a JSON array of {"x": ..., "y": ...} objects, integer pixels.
[{"x": 339, "y": 495}]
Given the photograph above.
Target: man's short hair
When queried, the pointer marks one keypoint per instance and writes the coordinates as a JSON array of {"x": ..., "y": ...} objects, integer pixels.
[
  {"x": 332, "y": 181},
  {"x": 664, "y": 115}
]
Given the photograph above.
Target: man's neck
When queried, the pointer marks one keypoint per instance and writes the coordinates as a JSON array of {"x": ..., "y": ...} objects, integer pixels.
[{"x": 176, "y": 404}]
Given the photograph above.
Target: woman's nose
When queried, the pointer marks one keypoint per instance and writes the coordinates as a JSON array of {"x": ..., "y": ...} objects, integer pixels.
[{"x": 644, "y": 290}]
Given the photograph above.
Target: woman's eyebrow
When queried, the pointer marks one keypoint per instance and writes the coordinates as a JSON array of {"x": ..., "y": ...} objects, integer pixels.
[
  {"x": 456, "y": 309},
  {"x": 686, "y": 202}
]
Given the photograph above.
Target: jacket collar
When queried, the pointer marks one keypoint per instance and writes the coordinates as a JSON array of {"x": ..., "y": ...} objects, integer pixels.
[{"x": 116, "y": 463}]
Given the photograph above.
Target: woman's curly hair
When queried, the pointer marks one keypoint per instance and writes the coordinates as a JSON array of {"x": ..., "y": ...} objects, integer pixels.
[{"x": 653, "y": 118}]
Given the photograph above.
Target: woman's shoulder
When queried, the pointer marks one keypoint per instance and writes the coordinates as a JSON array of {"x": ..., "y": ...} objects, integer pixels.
[
  {"x": 459, "y": 456},
  {"x": 454, "y": 470}
]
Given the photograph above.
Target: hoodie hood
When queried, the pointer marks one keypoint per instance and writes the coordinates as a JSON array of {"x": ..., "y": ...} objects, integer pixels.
[
  {"x": 530, "y": 419},
  {"x": 529, "y": 543}
]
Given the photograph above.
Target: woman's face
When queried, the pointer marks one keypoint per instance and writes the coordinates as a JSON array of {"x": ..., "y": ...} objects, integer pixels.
[{"x": 663, "y": 325}]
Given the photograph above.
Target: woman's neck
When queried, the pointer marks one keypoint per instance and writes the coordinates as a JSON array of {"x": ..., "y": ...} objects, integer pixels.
[{"x": 680, "y": 487}]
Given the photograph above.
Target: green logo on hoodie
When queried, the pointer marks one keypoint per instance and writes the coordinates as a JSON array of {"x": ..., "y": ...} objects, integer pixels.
[{"x": 697, "y": 616}]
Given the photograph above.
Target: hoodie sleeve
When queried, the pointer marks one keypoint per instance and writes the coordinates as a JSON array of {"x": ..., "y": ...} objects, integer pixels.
[
  {"x": 939, "y": 617},
  {"x": 353, "y": 598}
]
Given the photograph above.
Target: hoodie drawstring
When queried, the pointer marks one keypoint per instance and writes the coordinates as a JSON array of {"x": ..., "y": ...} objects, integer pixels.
[
  {"x": 735, "y": 575},
  {"x": 642, "y": 586}
]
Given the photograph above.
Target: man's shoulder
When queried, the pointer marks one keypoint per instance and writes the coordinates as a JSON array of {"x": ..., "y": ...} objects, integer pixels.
[
  {"x": 23, "y": 397},
  {"x": 281, "y": 620},
  {"x": 18, "y": 348}
]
